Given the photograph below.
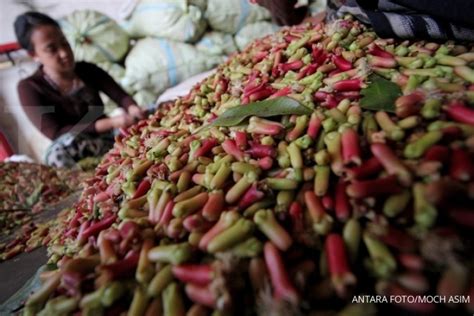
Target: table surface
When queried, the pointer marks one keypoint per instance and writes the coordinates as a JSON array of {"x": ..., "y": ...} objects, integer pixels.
[
  {"x": 14, "y": 273},
  {"x": 18, "y": 270}
]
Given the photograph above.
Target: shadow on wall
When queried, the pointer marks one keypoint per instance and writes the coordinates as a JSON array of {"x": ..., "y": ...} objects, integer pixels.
[
  {"x": 22, "y": 135},
  {"x": 8, "y": 125}
]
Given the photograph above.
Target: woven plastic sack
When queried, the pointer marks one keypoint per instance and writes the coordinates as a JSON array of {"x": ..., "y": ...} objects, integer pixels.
[
  {"x": 172, "y": 19},
  {"x": 145, "y": 98},
  {"x": 216, "y": 43},
  {"x": 157, "y": 64},
  {"x": 94, "y": 37},
  {"x": 116, "y": 71},
  {"x": 230, "y": 16},
  {"x": 253, "y": 31}
]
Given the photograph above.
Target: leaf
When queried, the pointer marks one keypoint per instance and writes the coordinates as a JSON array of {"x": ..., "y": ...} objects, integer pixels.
[
  {"x": 380, "y": 95},
  {"x": 266, "y": 108}
]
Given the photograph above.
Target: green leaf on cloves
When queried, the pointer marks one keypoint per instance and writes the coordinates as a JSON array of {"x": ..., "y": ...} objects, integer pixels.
[
  {"x": 380, "y": 94},
  {"x": 266, "y": 108}
]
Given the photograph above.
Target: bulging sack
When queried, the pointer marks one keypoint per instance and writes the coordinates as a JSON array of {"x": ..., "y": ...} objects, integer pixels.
[
  {"x": 171, "y": 19},
  {"x": 217, "y": 43},
  {"x": 230, "y": 16},
  {"x": 145, "y": 99},
  {"x": 94, "y": 37},
  {"x": 253, "y": 31},
  {"x": 157, "y": 64}
]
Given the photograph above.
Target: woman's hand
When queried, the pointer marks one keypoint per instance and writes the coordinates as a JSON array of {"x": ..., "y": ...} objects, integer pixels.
[
  {"x": 123, "y": 120},
  {"x": 136, "y": 112},
  {"x": 118, "y": 121}
]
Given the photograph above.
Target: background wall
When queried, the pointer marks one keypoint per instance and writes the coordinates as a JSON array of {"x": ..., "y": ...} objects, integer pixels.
[
  {"x": 55, "y": 8},
  {"x": 14, "y": 123}
]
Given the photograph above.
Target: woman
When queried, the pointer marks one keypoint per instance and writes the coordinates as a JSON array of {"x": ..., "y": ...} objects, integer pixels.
[{"x": 62, "y": 97}]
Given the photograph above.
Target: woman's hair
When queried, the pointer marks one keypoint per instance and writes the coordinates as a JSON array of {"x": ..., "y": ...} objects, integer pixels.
[{"x": 26, "y": 23}]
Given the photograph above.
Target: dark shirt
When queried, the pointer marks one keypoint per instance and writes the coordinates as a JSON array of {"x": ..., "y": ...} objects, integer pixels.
[{"x": 55, "y": 113}]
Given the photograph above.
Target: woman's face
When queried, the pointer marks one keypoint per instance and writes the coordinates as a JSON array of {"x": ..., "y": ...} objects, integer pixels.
[{"x": 52, "y": 49}]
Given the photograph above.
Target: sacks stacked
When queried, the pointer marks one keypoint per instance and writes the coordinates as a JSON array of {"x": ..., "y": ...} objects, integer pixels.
[
  {"x": 171, "y": 19},
  {"x": 216, "y": 43},
  {"x": 231, "y": 16},
  {"x": 156, "y": 64},
  {"x": 95, "y": 37},
  {"x": 253, "y": 31},
  {"x": 166, "y": 55},
  {"x": 175, "y": 39}
]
